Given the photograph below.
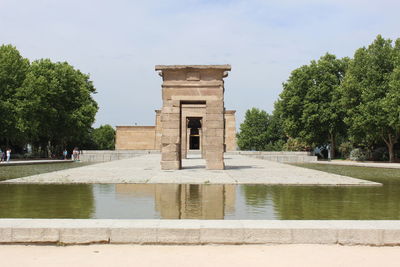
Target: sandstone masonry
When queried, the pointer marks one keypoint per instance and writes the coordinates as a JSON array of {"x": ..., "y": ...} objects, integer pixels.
[{"x": 193, "y": 118}]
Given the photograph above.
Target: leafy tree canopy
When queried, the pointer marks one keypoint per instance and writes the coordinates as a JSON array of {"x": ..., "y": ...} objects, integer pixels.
[
  {"x": 253, "y": 130},
  {"x": 371, "y": 93},
  {"x": 310, "y": 101},
  {"x": 260, "y": 131},
  {"x": 13, "y": 69},
  {"x": 104, "y": 137},
  {"x": 55, "y": 103}
]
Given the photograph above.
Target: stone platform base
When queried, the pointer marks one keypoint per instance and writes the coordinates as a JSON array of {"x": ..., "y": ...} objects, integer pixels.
[
  {"x": 195, "y": 232},
  {"x": 238, "y": 170}
]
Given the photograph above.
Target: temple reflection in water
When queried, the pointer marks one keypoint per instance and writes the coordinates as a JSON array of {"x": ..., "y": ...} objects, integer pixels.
[{"x": 185, "y": 201}]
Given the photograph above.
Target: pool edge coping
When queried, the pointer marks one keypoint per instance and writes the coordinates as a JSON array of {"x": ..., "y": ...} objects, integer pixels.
[{"x": 199, "y": 232}]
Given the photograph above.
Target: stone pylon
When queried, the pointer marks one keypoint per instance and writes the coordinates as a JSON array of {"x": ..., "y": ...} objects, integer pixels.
[{"x": 201, "y": 85}]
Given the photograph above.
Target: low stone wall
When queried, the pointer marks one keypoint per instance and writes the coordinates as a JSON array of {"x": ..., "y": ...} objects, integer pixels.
[
  {"x": 33, "y": 162},
  {"x": 196, "y": 232},
  {"x": 279, "y": 156},
  {"x": 109, "y": 155}
]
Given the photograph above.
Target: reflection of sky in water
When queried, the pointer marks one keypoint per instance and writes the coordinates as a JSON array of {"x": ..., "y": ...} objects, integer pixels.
[
  {"x": 110, "y": 205},
  {"x": 139, "y": 202},
  {"x": 244, "y": 211}
]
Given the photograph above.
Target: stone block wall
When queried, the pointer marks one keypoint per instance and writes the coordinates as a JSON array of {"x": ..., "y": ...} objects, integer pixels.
[
  {"x": 170, "y": 138},
  {"x": 214, "y": 136},
  {"x": 158, "y": 130},
  {"x": 135, "y": 138},
  {"x": 230, "y": 130}
]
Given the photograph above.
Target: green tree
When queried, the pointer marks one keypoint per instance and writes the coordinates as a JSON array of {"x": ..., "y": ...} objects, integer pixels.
[
  {"x": 310, "y": 102},
  {"x": 371, "y": 94},
  {"x": 104, "y": 137},
  {"x": 56, "y": 107},
  {"x": 13, "y": 69},
  {"x": 253, "y": 130},
  {"x": 261, "y": 131},
  {"x": 276, "y": 137}
]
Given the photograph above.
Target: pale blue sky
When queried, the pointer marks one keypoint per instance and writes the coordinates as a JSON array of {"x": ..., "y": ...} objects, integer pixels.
[{"x": 119, "y": 41}]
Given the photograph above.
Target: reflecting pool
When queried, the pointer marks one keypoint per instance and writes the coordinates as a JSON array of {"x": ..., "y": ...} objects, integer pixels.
[{"x": 175, "y": 201}]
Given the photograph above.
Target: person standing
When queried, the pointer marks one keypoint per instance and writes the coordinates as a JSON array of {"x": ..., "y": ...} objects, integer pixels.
[
  {"x": 65, "y": 154},
  {"x": 8, "y": 154},
  {"x": 75, "y": 154},
  {"x": 1, "y": 155}
]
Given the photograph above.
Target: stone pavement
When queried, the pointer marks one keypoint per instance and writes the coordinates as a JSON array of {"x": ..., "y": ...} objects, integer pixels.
[{"x": 239, "y": 170}]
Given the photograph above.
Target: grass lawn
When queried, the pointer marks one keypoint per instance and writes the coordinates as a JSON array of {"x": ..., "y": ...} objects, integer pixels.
[
  {"x": 380, "y": 175},
  {"x": 11, "y": 172}
]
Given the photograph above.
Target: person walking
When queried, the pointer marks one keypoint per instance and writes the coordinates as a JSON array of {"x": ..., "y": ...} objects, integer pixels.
[
  {"x": 76, "y": 153},
  {"x": 8, "y": 154},
  {"x": 65, "y": 154}
]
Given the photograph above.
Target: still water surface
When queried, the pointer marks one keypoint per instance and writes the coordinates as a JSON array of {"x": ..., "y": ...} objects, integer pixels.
[{"x": 172, "y": 201}]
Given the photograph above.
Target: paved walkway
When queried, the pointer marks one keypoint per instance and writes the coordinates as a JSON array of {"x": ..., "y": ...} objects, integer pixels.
[
  {"x": 239, "y": 170},
  {"x": 198, "y": 256}
]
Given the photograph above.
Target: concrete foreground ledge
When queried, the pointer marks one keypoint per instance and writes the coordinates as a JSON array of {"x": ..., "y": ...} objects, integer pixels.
[{"x": 195, "y": 232}]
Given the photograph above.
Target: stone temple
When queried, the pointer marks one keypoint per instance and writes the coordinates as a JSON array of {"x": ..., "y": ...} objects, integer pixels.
[{"x": 192, "y": 119}]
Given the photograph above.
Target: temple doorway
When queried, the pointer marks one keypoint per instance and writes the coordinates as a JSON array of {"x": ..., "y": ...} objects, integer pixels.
[{"x": 194, "y": 129}]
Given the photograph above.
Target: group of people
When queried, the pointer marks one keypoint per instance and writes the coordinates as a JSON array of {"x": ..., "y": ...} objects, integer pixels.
[
  {"x": 74, "y": 155},
  {"x": 5, "y": 155}
]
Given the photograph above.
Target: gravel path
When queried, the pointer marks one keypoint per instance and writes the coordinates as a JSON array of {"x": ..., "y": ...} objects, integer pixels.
[{"x": 199, "y": 256}]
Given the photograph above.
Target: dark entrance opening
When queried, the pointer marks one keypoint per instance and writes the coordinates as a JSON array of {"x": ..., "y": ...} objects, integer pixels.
[
  {"x": 194, "y": 139},
  {"x": 194, "y": 125}
]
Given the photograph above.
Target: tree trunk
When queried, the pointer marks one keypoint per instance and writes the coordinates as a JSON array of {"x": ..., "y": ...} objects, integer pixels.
[
  {"x": 391, "y": 151},
  {"x": 390, "y": 141}
]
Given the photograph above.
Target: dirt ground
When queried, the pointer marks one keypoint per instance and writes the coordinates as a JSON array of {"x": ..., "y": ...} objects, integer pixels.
[{"x": 193, "y": 256}]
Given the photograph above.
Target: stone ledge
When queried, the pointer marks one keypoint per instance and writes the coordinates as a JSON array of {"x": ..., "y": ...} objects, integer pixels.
[
  {"x": 201, "y": 67},
  {"x": 80, "y": 231}
]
